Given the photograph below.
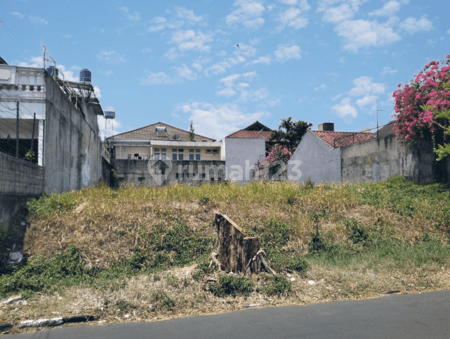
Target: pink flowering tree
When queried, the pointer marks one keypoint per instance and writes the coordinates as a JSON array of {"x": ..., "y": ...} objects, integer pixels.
[
  {"x": 422, "y": 107},
  {"x": 285, "y": 140},
  {"x": 277, "y": 153}
]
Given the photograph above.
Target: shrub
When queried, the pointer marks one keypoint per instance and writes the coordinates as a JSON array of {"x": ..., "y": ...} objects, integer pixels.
[
  {"x": 229, "y": 285},
  {"x": 203, "y": 201},
  {"x": 277, "y": 284},
  {"x": 298, "y": 263},
  {"x": 162, "y": 301},
  {"x": 357, "y": 233}
]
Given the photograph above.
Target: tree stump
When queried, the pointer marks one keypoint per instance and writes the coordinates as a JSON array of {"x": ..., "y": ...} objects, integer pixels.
[{"x": 235, "y": 252}]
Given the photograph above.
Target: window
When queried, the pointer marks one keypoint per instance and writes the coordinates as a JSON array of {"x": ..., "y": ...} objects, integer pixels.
[
  {"x": 160, "y": 154},
  {"x": 197, "y": 157},
  {"x": 191, "y": 156},
  {"x": 191, "y": 151},
  {"x": 208, "y": 151},
  {"x": 174, "y": 156},
  {"x": 215, "y": 151},
  {"x": 180, "y": 156},
  {"x": 198, "y": 151},
  {"x": 181, "y": 150}
]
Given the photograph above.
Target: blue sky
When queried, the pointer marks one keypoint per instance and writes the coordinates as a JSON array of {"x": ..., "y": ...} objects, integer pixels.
[{"x": 176, "y": 61}]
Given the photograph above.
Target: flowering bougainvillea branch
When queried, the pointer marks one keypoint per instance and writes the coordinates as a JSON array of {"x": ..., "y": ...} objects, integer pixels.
[{"x": 421, "y": 106}]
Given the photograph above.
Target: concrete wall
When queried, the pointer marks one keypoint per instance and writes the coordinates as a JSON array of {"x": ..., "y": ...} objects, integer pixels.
[
  {"x": 72, "y": 156},
  {"x": 19, "y": 180},
  {"x": 381, "y": 159},
  {"x": 154, "y": 173},
  {"x": 315, "y": 160},
  {"x": 241, "y": 157}
]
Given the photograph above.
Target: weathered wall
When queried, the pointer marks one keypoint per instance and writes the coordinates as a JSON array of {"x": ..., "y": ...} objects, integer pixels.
[
  {"x": 241, "y": 157},
  {"x": 19, "y": 180},
  {"x": 383, "y": 158},
  {"x": 106, "y": 172},
  {"x": 156, "y": 172},
  {"x": 72, "y": 143},
  {"x": 315, "y": 160}
]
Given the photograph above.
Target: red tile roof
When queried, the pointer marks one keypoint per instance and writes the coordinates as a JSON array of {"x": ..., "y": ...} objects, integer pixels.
[
  {"x": 251, "y": 134},
  {"x": 339, "y": 139},
  {"x": 149, "y": 133}
]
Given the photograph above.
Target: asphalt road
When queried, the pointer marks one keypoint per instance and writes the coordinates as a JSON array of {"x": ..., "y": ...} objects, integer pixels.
[{"x": 422, "y": 316}]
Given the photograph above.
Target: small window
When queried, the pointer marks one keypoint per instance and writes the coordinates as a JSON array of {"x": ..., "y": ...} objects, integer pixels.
[
  {"x": 191, "y": 156},
  {"x": 174, "y": 150},
  {"x": 215, "y": 151},
  {"x": 180, "y": 156},
  {"x": 156, "y": 149},
  {"x": 197, "y": 157},
  {"x": 180, "y": 150},
  {"x": 174, "y": 157},
  {"x": 208, "y": 151},
  {"x": 198, "y": 151},
  {"x": 163, "y": 150},
  {"x": 191, "y": 151}
]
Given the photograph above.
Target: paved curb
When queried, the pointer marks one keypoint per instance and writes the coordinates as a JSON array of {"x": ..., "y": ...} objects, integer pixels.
[{"x": 49, "y": 322}]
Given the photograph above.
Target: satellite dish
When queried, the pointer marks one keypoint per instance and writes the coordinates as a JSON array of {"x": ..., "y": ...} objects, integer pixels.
[{"x": 176, "y": 136}]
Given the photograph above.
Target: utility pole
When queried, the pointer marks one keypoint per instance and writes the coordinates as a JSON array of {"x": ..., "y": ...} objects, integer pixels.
[
  {"x": 378, "y": 110},
  {"x": 32, "y": 138},
  {"x": 45, "y": 52},
  {"x": 17, "y": 131}
]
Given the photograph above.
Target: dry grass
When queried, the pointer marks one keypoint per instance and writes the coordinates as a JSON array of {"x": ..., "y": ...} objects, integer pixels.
[
  {"x": 100, "y": 216},
  {"x": 106, "y": 225}
]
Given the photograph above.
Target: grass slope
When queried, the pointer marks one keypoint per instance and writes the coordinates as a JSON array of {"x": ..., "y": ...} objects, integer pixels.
[{"x": 139, "y": 245}]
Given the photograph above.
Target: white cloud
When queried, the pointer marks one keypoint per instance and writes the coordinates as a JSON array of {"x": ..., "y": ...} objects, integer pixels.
[
  {"x": 289, "y": 2},
  {"x": 340, "y": 13},
  {"x": 363, "y": 34},
  {"x": 227, "y": 92},
  {"x": 35, "y": 62},
  {"x": 130, "y": 16},
  {"x": 413, "y": 25},
  {"x": 448, "y": 32},
  {"x": 188, "y": 15},
  {"x": 250, "y": 75},
  {"x": 261, "y": 60},
  {"x": 284, "y": 53},
  {"x": 292, "y": 18},
  {"x": 248, "y": 13},
  {"x": 389, "y": 9},
  {"x": 19, "y": 15},
  {"x": 219, "y": 120},
  {"x": 38, "y": 20},
  {"x": 366, "y": 100},
  {"x": 190, "y": 40},
  {"x": 197, "y": 66},
  {"x": 111, "y": 56},
  {"x": 304, "y": 6},
  {"x": 318, "y": 88},
  {"x": 228, "y": 81},
  {"x": 345, "y": 109},
  {"x": 222, "y": 66},
  {"x": 160, "y": 78},
  {"x": 185, "y": 72},
  {"x": 388, "y": 70},
  {"x": 159, "y": 23},
  {"x": 365, "y": 86},
  {"x": 243, "y": 84},
  {"x": 336, "y": 97}
]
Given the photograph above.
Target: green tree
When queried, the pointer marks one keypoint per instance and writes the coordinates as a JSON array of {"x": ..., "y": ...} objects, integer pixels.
[
  {"x": 290, "y": 133},
  {"x": 191, "y": 131}
]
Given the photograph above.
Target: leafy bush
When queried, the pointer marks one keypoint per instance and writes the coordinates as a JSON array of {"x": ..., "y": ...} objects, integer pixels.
[
  {"x": 357, "y": 233},
  {"x": 229, "y": 285},
  {"x": 298, "y": 263},
  {"x": 276, "y": 284},
  {"x": 162, "y": 301},
  {"x": 203, "y": 201}
]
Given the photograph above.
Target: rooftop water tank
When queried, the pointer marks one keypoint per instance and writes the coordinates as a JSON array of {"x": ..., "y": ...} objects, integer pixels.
[
  {"x": 85, "y": 75},
  {"x": 110, "y": 114},
  {"x": 52, "y": 70}
]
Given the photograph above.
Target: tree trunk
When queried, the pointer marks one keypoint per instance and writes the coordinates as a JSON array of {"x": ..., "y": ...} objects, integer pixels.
[{"x": 235, "y": 252}]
